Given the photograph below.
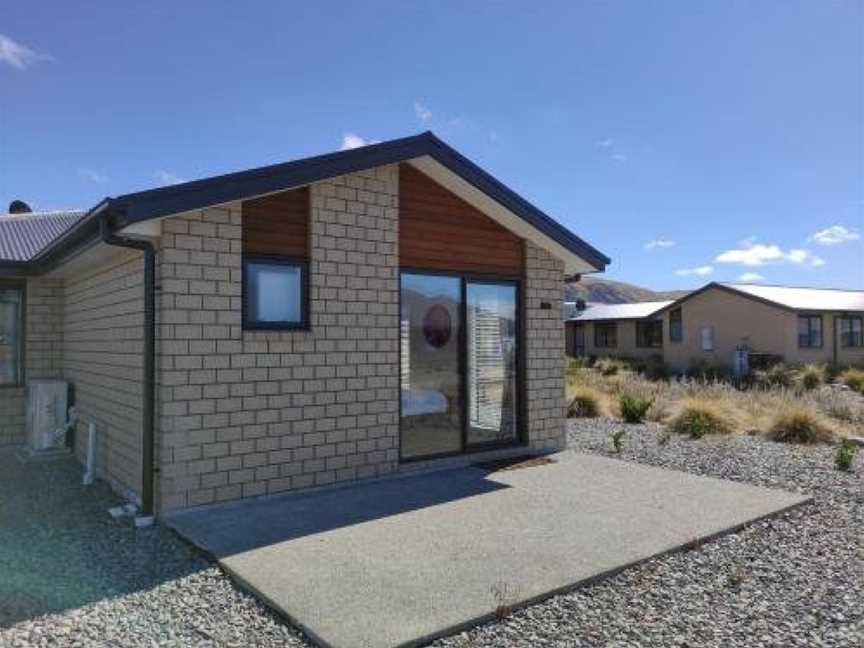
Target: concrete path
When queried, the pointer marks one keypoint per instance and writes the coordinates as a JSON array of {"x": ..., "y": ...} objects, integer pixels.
[{"x": 401, "y": 561}]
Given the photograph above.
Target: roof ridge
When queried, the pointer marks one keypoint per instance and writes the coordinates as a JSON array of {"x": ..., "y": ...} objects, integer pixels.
[
  {"x": 763, "y": 285},
  {"x": 41, "y": 214}
]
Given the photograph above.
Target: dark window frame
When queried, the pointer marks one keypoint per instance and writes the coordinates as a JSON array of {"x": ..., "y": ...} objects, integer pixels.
[
  {"x": 250, "y": 324},
  {"x": 810, "y": 332},
  {"x": 851, "y": 342},
  {"x": 649, "y": 340},
  {"x": 605, "y": 327},
  {"x": 21, "y": 288},
  {"x": 676, "y": 325}
]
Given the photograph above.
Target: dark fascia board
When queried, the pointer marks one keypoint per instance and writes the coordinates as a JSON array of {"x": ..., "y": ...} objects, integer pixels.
[
  {"x": 136, "y": 207},
  {"x": 731, "y": 291}
]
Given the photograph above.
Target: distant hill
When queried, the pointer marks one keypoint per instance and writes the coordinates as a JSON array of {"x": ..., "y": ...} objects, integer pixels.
[{"x": 615, "y": 292}]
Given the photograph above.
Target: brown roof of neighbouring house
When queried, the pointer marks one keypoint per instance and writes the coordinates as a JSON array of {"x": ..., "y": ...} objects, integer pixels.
[{"x": 23, "y": 236}]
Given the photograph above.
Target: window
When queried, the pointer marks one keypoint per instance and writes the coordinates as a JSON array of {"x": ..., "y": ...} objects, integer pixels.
[
  {"x": 706, "y": 336},
  {"x": 649, "y": 334},
  {"x": 851, "y": 332},
  {"x": 605, "y": 335},
  {"x": 274, "y": 293},
  {"x": 11, "y": 335},
  {"x": 676, "y": 326},
  {"x": 809, "y": 331}
]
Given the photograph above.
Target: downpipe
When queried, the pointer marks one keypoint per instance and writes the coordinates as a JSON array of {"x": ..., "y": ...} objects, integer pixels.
[{"x": 149, "y": 388}]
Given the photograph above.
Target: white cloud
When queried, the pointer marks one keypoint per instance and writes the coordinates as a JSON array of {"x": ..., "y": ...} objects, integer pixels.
[
  {"x": 751, "y": 276},
  {"x": 93, "y": 176},
  {"x": 352, "y": 141},
  {"x": 619, "y": 157},
  {"x": 17, "y": 55},
  {"x": 760, "y": 254},
  {"x": 659, "y": 243},
  {"x": 423, "y": 113},
  {"x": 701, "y": 271},
  {"x": 167, "y": 178},
  {"x": 606, "y": 143},
  {"x": 835, "y": 235}
]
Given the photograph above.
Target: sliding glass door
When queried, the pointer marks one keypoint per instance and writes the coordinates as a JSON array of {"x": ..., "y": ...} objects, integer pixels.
[{"x": 458, "y": 364}]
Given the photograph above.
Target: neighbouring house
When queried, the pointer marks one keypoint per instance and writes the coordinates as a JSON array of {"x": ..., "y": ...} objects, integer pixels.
[
  {"x": 627, "y": 330},
  {"x": 319, "y": 321},
  {"x": 707, "y": 326}
]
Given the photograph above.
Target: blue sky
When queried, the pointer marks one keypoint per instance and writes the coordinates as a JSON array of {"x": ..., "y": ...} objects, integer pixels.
[{"x": 688, "y": 141}]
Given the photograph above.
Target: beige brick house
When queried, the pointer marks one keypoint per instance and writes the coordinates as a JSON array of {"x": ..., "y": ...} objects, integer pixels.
[
  {"x": 705, "y": 327},
  {"x": 329, "y": 319}
]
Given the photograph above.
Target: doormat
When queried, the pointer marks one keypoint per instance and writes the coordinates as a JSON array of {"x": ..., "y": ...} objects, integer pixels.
[{"x": 514, "y": 463}]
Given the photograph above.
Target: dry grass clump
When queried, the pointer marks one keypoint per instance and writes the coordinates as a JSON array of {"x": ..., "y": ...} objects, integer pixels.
[
  {"x": 799, "y": 424},
  {"x": 853, "y": 379},
  {"x": 697, "y": 417},
  {"x": 611, "y": 366},
  {"x": 585, "y": 402},
  {"x": 811, "y": 376}
]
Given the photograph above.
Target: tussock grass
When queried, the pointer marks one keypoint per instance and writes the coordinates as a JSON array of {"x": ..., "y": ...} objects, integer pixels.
[
  {"x": 853, "y": 379},
  {"x": 697, "y": 417},
  {"x": 633, "y": 407},
  {"x": 811, "y": 376},
  {"x": 585, "y": 402},
  {"x": 799, "y": 424}
]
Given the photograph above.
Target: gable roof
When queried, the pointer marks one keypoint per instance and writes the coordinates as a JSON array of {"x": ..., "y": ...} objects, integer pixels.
[
  {"x": 598, "y": 311},
  {"x": 23, "y": 236},
  {"x": 132, "y": 208},
  {"x": 790, "y": 297}
]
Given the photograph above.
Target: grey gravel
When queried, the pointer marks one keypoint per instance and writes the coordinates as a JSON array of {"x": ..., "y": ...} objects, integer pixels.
[
  {"x": 793, "y": 580},
  {"x": 71, "y": 575}
]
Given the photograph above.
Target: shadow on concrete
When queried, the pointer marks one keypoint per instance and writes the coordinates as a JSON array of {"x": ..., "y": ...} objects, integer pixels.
[
  {"x": 59, "y": 548},
  {"x": 224, "y": 530}
]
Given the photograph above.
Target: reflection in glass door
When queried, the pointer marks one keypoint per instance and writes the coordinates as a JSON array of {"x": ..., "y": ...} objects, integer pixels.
[
  {"x": 491, "y": 372},
  {"x": 458, "y": 364},
  {"x": 431, "y": 316}
]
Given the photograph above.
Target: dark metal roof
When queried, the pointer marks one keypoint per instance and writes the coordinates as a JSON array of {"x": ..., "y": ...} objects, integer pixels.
[
  {"x": 140, "y": 206},
  {"x": 23, "y": 236}
]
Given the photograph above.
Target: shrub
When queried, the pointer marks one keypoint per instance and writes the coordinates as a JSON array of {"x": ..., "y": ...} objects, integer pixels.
[
  {"x": 582, "y": 362},
  {"x": 845, "y": 455},
  {"x": 799, "y": 424},
  {"x": 853, "y": 379},
  {"x": 585, "y": 403},
  {"x": 705, "y": 372},
  {"x": 811, "y": 376},
  {"x": 700, "y": 417},
  {"x": 633, "y": 407},
  {"x": 618, "y": 440}
]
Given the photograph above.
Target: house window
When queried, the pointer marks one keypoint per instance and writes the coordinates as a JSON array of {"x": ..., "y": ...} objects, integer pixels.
[
  {"x": 809, "y": 331},
  {"x": 706, "y": 336},
  {"x": 851, "y": 332},
  {"x": 605, "y": 335},
  {"x": 649, "y": 335},
  {"x": 676, "y": 326},
  {"x": 274, "y": 293},
  {"x": 11, "y": 335}
]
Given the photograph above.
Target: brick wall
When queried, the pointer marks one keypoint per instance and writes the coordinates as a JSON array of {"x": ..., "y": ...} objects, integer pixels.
[
  {"x": 43, "y": 320},
  {"x": 249, "y": 413},
  {"x": 103, "y": 316},
  {"x": 544, "y": 339}
]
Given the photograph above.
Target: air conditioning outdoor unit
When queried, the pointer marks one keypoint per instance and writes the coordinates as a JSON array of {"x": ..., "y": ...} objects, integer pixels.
[{"x": 47, "y": 405}]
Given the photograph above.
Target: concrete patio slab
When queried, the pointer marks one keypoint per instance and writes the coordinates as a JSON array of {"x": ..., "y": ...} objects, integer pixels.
[{"x": 401, "y": 561}]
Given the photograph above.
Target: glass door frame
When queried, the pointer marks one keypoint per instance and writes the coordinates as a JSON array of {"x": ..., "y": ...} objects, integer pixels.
[{"x": 521, "y": 411}]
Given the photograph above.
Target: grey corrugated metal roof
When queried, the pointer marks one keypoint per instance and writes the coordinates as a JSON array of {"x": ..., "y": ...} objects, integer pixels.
[
  {"x": 598, "y": 311},
  {"x": 828, "y": 299},
  {"x": 23, "y": 236}
]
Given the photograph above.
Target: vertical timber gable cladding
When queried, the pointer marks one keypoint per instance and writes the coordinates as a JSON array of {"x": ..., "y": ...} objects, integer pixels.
[
  {"x": 246, "y": 413},
  {"x": 441, "y": 232}
]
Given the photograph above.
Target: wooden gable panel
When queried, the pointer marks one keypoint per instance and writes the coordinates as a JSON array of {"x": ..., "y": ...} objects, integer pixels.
[
  {"x": 277, "y": 224},
  {"x": 440, "y": 231}
]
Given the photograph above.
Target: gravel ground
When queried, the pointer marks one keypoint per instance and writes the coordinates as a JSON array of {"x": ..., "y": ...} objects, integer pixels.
[
  {"x": 793, "y": 580},
  {"x": 70, "y": 575}
]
